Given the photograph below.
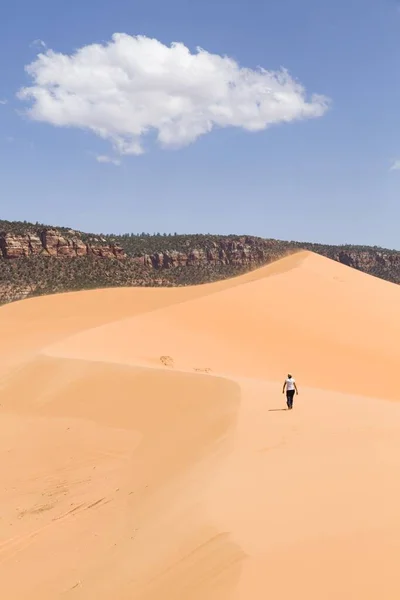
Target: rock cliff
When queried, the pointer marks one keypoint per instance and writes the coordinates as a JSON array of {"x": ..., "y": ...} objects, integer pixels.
[
  {"x": 50, "y": 242},
  {"x": 245, "y": 252}
]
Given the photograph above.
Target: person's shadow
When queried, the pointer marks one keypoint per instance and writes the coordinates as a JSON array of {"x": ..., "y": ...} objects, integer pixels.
[{"x": 276, "y": 409}]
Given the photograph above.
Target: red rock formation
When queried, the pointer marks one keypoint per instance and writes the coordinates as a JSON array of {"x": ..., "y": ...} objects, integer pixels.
[
  {"x": 245, "y": 252},
  {"x": 14, "y": 246},
  {"x": 50, "y": 242},
  {"x": 80, "y": 248}
]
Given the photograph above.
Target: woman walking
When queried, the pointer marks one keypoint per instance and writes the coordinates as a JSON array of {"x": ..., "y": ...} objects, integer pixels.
[{"x": 291, "y": 388}]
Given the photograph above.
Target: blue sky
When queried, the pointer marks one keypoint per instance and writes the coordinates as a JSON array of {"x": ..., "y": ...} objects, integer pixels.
[{"x": 327, "y": 178}]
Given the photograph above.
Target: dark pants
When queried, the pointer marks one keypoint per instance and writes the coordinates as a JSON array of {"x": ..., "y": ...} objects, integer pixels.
[{"x": 289, "y": 398}]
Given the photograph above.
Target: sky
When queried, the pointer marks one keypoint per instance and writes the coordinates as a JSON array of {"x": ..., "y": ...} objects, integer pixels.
[{"x": 279, "y": 119}]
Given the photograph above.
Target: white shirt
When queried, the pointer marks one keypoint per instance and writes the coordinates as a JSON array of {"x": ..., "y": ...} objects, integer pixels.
[{"x": 290, "y": 384}]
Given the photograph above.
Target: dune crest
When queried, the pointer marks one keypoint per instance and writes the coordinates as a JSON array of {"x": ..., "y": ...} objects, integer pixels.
[{"x": 146, "y": 451}]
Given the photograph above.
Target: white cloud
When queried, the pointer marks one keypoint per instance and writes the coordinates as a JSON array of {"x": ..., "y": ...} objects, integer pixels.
[
  {"x": 3, "y": 102},
  {"x": 134, "y": 85},
  {"x": 39, "y": 44},
  {"x": 395, "y": 165},
  {"x": 108, "y": 159}
]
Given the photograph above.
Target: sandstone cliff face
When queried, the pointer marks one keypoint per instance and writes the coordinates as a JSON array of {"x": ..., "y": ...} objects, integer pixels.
[
  {"x": 50, "y": 242},
  {"x": 243, "y": 252}
]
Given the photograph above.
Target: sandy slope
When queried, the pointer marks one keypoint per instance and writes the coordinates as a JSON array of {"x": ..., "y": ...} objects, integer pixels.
[
  {"x": 144, "y": 453},
  {"x": 337, "y": 328}
]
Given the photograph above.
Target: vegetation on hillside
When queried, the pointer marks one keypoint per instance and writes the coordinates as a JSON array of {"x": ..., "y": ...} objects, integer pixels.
[{"x": 28, "y": 277}]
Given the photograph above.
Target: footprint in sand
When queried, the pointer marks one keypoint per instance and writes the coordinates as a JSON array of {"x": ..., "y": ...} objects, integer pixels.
[
  {"x": 202, "y": 370},
  {"x": 167, "y": 361}
]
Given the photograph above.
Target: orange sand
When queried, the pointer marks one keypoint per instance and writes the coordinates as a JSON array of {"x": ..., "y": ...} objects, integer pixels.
[{"x": 144, "y": 453}]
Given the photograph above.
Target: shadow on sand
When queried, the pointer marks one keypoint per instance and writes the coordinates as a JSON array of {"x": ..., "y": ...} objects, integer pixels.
[{"x": 277, "y": 409}]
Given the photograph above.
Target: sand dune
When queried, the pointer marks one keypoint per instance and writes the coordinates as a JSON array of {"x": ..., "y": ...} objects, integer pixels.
[
  {"x": 144, "y": 452},
  {"x": 328, "y": 323}
]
